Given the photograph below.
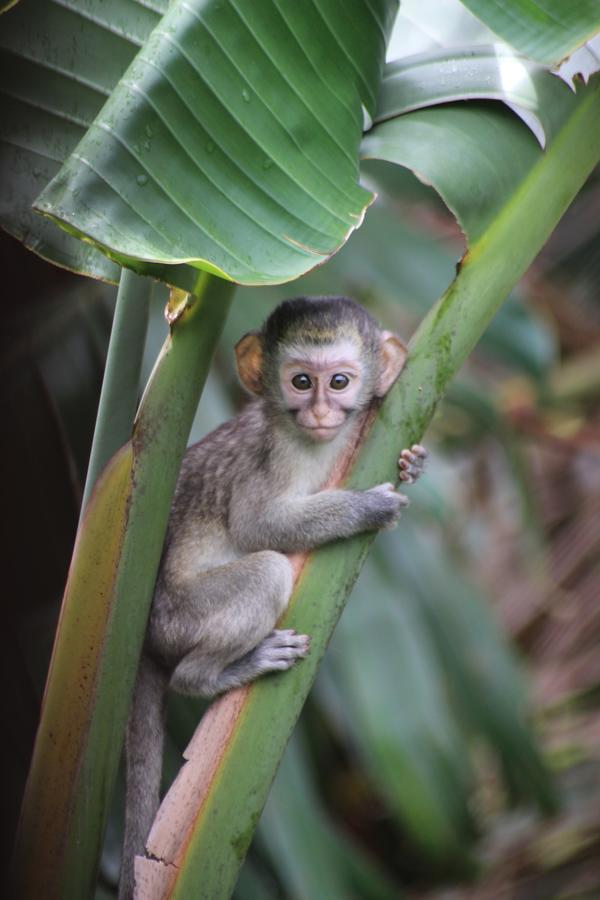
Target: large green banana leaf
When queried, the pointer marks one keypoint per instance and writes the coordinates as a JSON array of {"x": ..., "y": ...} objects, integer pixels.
[
  {"x": 58, "y": 64},
  {"x": 196, "y": 174},
  {"x": 231, "y": 141},
  {"x": 498, "y": 148},
  {"x": 546, "y": 30},
  {"x": 480, "y": 72}
]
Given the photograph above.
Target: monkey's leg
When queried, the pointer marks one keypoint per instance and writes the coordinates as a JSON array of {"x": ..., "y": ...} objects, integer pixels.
[{"x": 232, "y": 621}]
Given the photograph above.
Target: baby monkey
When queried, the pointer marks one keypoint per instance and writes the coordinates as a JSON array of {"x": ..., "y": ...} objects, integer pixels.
[{"x": 247, "y": 494}]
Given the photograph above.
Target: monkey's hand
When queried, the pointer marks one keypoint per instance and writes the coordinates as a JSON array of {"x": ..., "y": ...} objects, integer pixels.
[
  {"x": 386, "y": 505},
  {"x": 389, "y": 503},
  {"x": 412, "y": 464}
]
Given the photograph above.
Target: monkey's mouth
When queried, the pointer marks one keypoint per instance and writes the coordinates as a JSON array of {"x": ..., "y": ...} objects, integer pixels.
[{"x": 322, "y": 432}]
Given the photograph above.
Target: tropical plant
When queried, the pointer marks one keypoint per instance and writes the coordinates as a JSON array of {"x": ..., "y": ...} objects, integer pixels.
[{"x": 229, "y": 147}]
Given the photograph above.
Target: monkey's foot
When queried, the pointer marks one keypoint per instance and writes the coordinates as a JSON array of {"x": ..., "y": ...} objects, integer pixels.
[
  {"x": 412, "y": 463},
  {"x": 280, "y": 650}
]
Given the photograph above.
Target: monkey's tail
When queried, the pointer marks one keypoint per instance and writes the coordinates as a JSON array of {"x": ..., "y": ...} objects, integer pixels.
[{"x": 144, "y": 742}]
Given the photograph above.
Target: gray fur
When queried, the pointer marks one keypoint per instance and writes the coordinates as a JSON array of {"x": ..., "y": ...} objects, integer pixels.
[
  {"x": 143, "y": 764},
  {"x": 248, "y": 493}
]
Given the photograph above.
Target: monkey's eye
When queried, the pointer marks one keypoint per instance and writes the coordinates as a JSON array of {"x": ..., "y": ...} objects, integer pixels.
[
  {"x": 339, "y": 382},
  {"x": 301, "y": 382}
]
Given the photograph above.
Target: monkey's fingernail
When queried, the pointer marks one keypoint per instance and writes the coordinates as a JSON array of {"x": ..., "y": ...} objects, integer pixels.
[{"x": 420, "y": 451}]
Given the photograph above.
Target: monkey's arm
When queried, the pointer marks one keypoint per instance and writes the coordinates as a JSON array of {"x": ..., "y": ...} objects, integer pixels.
[
  {"x": 295, "y": 524},
  {"x": 300, "y": 523}
]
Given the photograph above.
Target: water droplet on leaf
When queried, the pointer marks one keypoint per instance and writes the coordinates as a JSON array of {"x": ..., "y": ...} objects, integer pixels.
[
  {"x": 245, "y": 96},
  {"x": 142, "y": 180}
]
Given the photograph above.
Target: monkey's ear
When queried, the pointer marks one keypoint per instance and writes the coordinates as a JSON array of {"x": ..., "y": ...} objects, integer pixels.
[
  {"x": 393, "y": 355},
  {"x": 249, "y": 357}
]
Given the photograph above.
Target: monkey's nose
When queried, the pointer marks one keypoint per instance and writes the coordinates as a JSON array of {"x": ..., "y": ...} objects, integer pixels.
[{"x": 320, "y": 412}]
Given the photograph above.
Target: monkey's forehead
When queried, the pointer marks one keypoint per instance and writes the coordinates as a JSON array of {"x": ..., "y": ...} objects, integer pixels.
[
  {"x": 319, "y": 333},
  {"x": 324, "y": 353}
]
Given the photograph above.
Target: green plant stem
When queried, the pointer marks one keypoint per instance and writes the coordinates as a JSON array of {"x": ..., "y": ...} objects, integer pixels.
[
  {"x": 103, "y": 617},
  {"x": 121, "y": 384}
]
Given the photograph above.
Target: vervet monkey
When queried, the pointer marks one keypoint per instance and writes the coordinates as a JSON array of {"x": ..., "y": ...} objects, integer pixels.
[{"x": 247, "y": 494}]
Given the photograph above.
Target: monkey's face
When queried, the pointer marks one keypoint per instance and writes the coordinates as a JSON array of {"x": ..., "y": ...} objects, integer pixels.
[{"x": 322, "y": 386}]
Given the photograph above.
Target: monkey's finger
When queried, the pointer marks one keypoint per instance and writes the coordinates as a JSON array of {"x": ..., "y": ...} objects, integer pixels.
[
  {"x": 403, "y": 502},
  {"x": 409, "y": 457},
  {"x": 416, "y": 455},
  {"x": 283, "y": 636},
  {"x": 409, "y": 466},
  {"x": 387, "y": 488},
  {"x": 288, "y": 638},
  {"x": 281, "y": 649},
  {"x": 413, "y": 468},
  {"x": 405, "y": 468},
  {"x": 399, "y": 500}
]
